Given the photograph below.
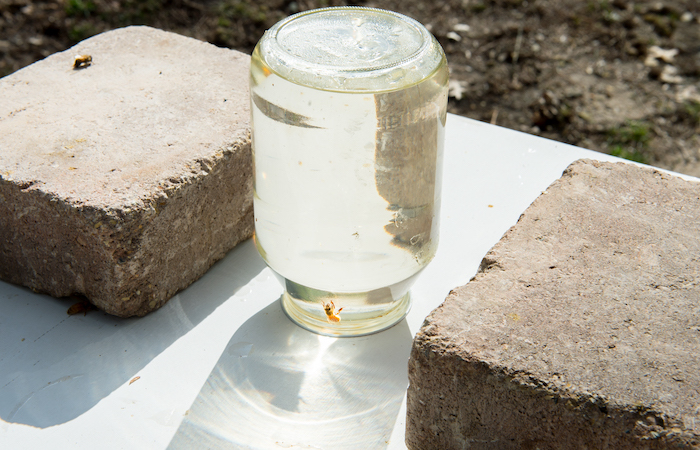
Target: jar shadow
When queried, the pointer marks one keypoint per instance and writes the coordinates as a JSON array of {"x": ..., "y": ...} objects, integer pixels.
[{"x": 277, "y": 384}]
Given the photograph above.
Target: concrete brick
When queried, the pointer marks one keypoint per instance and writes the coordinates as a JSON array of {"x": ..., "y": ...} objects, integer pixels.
[
  {"x": 124, "y": 181},
  {"x": 580, "y": 330}
]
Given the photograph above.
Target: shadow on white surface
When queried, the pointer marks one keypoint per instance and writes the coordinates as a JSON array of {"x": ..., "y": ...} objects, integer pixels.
[
  {"x": 55, "y": 367},
  {"x": 279, "y": 386}
]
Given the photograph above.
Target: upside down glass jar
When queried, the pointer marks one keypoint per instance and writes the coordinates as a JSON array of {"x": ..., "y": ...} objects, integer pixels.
[{"x": 348, "y": 111}]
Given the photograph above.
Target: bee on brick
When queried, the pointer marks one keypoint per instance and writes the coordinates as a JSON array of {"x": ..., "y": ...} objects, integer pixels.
[{"x": 82, "y": 61}]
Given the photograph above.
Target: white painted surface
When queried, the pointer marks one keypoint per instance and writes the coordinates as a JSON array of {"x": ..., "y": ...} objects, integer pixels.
[{"x": 220, "y": 366}]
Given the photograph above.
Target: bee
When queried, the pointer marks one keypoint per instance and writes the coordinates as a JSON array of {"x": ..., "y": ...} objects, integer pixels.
[
  {"x": 331, "y": 313},
  {"x": 81, "y": 307},
  {"x": 82, "y": 61}
]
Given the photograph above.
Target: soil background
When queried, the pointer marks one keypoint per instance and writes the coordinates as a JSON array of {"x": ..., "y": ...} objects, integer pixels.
[{"x": 616, "y": 76}]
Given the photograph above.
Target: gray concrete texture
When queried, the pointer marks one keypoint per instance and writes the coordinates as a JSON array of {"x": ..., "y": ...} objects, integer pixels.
[
  {"x": 581, "y": 329},
  {"x": 125, "y": 180}
]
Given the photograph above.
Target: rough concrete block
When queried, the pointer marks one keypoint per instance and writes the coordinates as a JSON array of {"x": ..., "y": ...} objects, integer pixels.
[
  {"x": 580, "y": 330},
  {"x": 124, "y": 180}
]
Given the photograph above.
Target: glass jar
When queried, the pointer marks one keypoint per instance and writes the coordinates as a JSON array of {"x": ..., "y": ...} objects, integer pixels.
[{"x": 348, "y": 111}]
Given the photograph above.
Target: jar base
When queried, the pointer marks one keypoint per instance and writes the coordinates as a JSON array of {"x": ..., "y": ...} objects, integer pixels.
[{"x": 344, "y": 314}]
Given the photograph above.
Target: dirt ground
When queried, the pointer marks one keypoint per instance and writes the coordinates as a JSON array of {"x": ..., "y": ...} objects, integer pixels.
[{"x": 617, "y": 76}]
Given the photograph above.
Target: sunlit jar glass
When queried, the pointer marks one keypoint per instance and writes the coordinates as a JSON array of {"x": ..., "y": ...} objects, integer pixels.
[{"x": 348, "y": 113}]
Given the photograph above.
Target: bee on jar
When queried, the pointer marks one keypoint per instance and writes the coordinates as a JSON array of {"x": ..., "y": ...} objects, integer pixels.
[
  {"x": 331, "y": 312},
  {"x": 82, "y": 61}
]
